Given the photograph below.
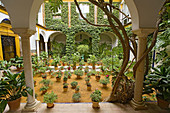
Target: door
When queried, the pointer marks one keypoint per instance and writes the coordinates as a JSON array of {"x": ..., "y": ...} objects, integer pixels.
[{"x": 8, "y": 47}]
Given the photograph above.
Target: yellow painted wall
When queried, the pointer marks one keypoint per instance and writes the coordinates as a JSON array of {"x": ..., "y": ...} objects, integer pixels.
[
  {"x": 5, "y": 30},
  {"x": 17, "y": 45},
  {"x": 1, "y": 53}
]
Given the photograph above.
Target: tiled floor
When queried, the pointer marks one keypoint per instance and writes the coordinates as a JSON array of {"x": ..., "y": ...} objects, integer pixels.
[{"x": 86, "y": 108}]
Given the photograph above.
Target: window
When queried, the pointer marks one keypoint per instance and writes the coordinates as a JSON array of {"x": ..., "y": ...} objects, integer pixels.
[
  {"x": 57, "y": 15},
  {"x": 84, "y": 9}
]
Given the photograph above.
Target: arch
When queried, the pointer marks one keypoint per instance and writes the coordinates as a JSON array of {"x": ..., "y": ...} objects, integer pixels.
[
  {"x": 41, "y": 44},
  {"x": 109, "y": 38},
  {"x": 6, "y": 20},
  {"x": 82, "y": 36},
  {"x": 143, "y": 14}
]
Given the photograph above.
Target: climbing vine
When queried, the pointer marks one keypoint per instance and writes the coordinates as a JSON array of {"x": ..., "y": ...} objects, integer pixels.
[{"x": 77, "y": 25}]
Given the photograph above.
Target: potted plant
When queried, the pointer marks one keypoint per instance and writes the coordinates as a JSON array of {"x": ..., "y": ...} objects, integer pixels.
[
  {"x": 58, "y": 78},
  {"x": 159, "y": 80},
  {"x": 55, "y": 62},
  {"x": 93, "y": 72},
  {"x": 69, "y": 67},
  {"x": 88, "y": 87},
  {"x": 80, "y": 67},
  {"x": 44, "y": 89},
  {"x": 65, "y": 86},
  {"x": 87, "y": 79},
  {"x": 46, "y": 82},
  {"x": 93, "y": 60},
  {"x": 98, "y": 76},
  {"x": 49, "y": 98},
  {"x": 62, "y": 67},
  {"x": 75, "y": 58},
  {"x": 17, "y": 62},
  {"x": 74, "y": 84},
  {"x": 79, "y": 73},
  {"x": 53, "y": 74},
  {"x": 104, "y": 82},
  {"x": 50, "y": 70},
  {"x": 89, "y": 74},
  {"x": 82, "y": 63},
  {"x": 83, "y": 49},
  {"x": 76, "y": 97},
  {"x": 69, "y": 74},
  {"x": 42, "y": 70},
  {"x": 96, "y": 98},
  {"x": 44, "y": 76},
  {"x": 86, "y": 70},
  {"x": 12, "y": 88},
  {"x": 64, "y": 59},
  {"x": 65, "y": 79},
  {"x": 77, "y": 89}
]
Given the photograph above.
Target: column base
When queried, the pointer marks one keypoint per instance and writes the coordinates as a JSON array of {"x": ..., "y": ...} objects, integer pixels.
[
  {"x": 31, "y": 107},
  {"x": 138, "y": 105}
]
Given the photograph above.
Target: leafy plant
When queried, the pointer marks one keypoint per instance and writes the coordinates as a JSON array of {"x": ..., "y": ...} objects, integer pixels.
[
  {"x": 95, "y": 97},
  {"x": 65, "y": 85},
  {"x": 17, "y": 61},
  {"x": 76, "y": 97},
  {"x": 159, "y": 80},
  {"x": 83, "y": 50},
  {"x": 78, "y": 72},
  {"x": 74, "y": 83},
  {"x": 46, "y": 82},
  {"x": 65, "y": 78},
  {"x": 104, "y": 81},
  {"x": 50, "y": 97},
  {"x": 44, "y": 88},
  {"x": 77, "y": 88},
  {"x": 12, "y": 87}
]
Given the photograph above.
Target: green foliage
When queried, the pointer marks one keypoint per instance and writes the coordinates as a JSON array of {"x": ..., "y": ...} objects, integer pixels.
[
  {"x": 74, "y": 83},
  {"x": 104, "y": 81},
  {"x": 65, "y": 85},
  {"x": 12, "y": 87},
  {"x": 159, "y": 79},
  {"x": 95, "y": 97},
  {"x": 4, "y": 65},
  {"x": 50, "y": 97},
  {"x": 43, "y": 88},
  {"x": 92, "y": 59},
  {"x": 17, "y": 61},
  {"x": 78, "y": 72},
  {"x": 46, "y": 82},
  {"x": 65, "y": 78},
  {"x": 76, "y": 97}
]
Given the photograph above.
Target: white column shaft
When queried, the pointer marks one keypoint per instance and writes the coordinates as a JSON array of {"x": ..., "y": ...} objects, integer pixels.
[
  {"x": 38, "y": 49},
  {"x": 28, "y": 66},
  {"x": 46, "y": 47}
]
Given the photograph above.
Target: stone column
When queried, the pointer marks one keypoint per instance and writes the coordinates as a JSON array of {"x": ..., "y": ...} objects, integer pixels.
[
  {"x": 46, "y": 47},
  {"x": 38, "y": 49},
  {"x": 137, "y": 102},
  {"x": 32, "y": 104}
]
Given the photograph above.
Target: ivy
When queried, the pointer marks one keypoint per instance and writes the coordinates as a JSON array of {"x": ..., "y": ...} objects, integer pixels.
[{"x": 77, "y": 25}]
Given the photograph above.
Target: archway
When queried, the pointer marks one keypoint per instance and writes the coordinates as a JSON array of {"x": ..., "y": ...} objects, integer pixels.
[
  {"x": 57, "y": 44},
  {"x": 42, "y": 44},
  {"x": 85, "y": 39}
]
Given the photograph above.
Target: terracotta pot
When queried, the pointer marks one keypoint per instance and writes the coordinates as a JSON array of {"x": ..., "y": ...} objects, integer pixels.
[
  {"x": 43, "y": 92},
  {"x": 65, "y": 89},
  {"x": 63, "y": 64},
  {"x": 56, "y": 68},
  {"x": 95, "y": 105},
  {"x": 94, "y": 67},
  {"x": 73, "y": 87},
  {"x": 44, "y": 78},
  {"x": 104, "y": 85},
  {"x": 14, "y": 105},
  {"x": 88, "y": 88},
  {"x": 74, "y": 67},
  {"x": 76, "y": 91},
  {"x": 65, "y": 81},
  {"x": 69, "y": 77},
  {"x": 58, "y": 79},
  {"x": 97, "y": 78},
  {"x": 78, "y": 77},
  {"x": 87, "y": 82},
  {"x": 50, "y": 105},
  {"x": 162, "y": 103}
]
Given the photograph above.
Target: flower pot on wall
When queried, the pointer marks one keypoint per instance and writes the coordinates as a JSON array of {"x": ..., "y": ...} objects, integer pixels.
[
  {"x": 14, "y": 105},
  {"x": 50, "y": 105},
  {"x": 95, "y": 105}
]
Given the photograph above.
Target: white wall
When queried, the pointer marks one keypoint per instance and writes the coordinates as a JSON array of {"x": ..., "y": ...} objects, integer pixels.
[
  {"x": 3, "y": 16},
  {"x": 40, "y": 16}
]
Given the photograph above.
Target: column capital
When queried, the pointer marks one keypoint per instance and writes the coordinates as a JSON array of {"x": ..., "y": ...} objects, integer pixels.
[
  {"x": 24, "y": 32},
  {"x": 143, "y": 32}
]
